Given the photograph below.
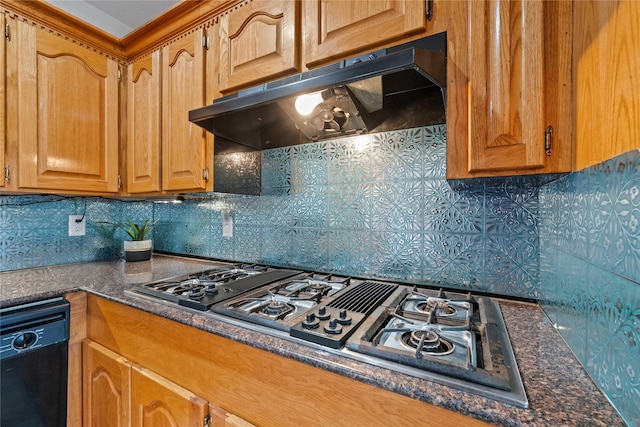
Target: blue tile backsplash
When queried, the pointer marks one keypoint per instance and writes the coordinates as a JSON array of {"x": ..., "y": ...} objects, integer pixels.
[
  {"x": 379, "y": 205},
  {"x": 590, "y": 272}
]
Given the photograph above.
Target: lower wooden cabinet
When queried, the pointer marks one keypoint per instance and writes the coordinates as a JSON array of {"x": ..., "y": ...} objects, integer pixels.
[{"x": 120, "y": 393}]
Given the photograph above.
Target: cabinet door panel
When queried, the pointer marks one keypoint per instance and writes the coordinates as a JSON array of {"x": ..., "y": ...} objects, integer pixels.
[
  {"x": 143, "y": 121},
  {"x": 183, "y": 144},
  {"x": 67, "y": 115},
  {"x": 158, "y": 402},
  {"x": 3, "y": 102},
  {"x": 335, "y": 28},
  {"x": 258, "y": 43},
  {"x": 506, "y": 86},
  {"x": 106, "y": 394},
  {"x": 508, "y": 79}
]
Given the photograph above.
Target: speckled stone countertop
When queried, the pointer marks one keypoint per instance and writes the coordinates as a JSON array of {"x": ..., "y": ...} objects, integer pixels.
[{"x": 559, "y": 390}]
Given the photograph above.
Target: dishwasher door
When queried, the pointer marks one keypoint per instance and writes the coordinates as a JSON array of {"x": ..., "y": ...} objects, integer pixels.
[{"x": 33, "y": 364}]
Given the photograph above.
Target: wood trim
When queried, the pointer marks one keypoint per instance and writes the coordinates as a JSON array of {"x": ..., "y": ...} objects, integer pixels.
[
  {"x": 250, "y": 382},
  {"x": 174, "y": 23},
  {"x": 50, "y": 17},
  {"x": 78, "y": 332}
]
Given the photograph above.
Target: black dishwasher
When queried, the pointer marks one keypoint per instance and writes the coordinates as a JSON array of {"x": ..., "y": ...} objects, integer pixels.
[{"x": 33, "y": 364}]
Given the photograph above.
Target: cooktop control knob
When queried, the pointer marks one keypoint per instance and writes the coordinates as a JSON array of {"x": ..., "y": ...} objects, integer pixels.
[
  {"x": 310, "y": 322},
  {"x": 343, "y": 318},
  {"x": 333, "y": 327},
  {"x": 322, "y": 313}
]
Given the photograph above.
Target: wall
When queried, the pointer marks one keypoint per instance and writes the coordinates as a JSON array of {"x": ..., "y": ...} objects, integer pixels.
[
  {"x": 375, "y": 206},
  {"x": 590, "y": 272}
]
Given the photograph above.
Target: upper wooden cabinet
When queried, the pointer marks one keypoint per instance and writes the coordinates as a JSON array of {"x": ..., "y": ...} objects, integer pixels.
[
  {"x": 186, "y": 163},
  {"x": 143, "y": 124},
  {"x": 508, "y": 81},
  {"x": 66, "y": 113},
  {"x": 606, "y": 64},
  {"x": 335, "y": 29},
  {"x": 258, "y": 42},
  {"x": 3, "y": 102}
]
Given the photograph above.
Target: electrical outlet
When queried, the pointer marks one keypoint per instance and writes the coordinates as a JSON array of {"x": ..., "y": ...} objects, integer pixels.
[
  {"x": 227, "y": 224},
  {"x": 77, "y": 225}
]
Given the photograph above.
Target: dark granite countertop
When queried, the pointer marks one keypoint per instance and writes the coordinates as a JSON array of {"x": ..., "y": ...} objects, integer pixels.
[{"x": 559, "y": 390}]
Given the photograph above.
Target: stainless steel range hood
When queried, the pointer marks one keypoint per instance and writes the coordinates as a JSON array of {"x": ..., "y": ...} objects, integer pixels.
[{"x": 391, "y": 89}]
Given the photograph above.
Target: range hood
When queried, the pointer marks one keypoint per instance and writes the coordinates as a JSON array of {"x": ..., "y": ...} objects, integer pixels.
[{"x": 390, "y": 89}]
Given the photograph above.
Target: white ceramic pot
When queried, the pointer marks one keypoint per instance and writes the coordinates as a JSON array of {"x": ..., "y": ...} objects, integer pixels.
[{"x": 137, "y": 250}]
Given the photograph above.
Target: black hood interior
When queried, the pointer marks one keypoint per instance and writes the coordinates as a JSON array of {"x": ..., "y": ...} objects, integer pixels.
[{"x": 390, "y": 89}]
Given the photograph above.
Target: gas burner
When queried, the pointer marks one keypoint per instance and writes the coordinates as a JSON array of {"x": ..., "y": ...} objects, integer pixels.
[
  {"x": 427, "y": 342},
  {"x": 277, "y": 308},
  {"x": 195, "y": 293},
  {"x": 442, "y": 307}
]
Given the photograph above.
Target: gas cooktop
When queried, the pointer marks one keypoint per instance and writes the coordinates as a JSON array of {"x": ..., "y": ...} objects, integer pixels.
[{"x": 456, "y": 339}]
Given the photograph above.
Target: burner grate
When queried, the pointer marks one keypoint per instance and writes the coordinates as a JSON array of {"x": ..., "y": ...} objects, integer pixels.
[{"x": 363, "y": 298}]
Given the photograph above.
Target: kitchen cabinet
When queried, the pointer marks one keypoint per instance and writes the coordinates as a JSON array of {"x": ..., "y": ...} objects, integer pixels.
[
  {"x": 222, "y": 418},
  {"x": 65, "y": 120},
  {"x": 257, "y": 42},
  {"x": 249, "y": 382},
  {"x": 3, "y": 100},
  {"x": 606, "y": 60},
  {"x": 508, "y": 81},
  {"x": 120, "y": 393},
  {"x": 186, "y": 162},
  {"x": 336, "y": 29},
  {"x": 143, "y": 124}
]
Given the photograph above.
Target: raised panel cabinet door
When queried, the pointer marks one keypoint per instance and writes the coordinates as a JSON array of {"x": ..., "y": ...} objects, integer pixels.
[
  {"x": 336, "y": 28},
  {"x": 67, "y": 114},
  {"x": 157, "y": 402},
  {"x": 143, "y": 122},
  {"x": 258, "y": 42},
  {"x": 106, "y": 387},
  {"x": 3, "y": 100},
  {"x": 508, "y": 80},
  {"x": 183, "y": 143}
]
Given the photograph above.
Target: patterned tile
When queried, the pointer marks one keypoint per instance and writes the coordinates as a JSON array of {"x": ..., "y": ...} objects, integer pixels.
[
  {"x": 435, "y": 152},
  {"x": 349, "y": 206},
  {"x": 349, "y": 160},
  {"x": 397, "y": 206},
  {"x": 511, "y": 206},
  {"x": 512, "y": 265},
  {"x": 454, "y": 260},
  {"x": 276, "y": 168},
  {"x": 397, "y": 155},
  {"x": 396, "y": 256},
  {"x": 455, "y": 207},
  {"x": 309, "y": 206},
  {"x": 349, "y": 251}
]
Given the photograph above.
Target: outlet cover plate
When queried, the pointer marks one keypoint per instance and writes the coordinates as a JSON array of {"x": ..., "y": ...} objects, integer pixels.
[{"x": 77, "y": 228}]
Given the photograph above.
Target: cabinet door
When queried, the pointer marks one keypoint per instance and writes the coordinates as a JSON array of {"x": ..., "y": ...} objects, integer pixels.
[
  {"x": 3, "y": 101},
  {"x": 337, "y": 28},
  {"x": 184, "y": 156},
  {"x": 67, "y": 114},
  {"x": 156, "y": 402},
  {"x": 106, "y": 384},
  {"x": 506, "y": 84},
  {"x": 143, "y": 124},
  {"x": 258, "y": 42}
]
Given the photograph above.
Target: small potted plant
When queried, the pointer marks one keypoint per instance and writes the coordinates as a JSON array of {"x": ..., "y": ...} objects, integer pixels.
[{"x": 139, "y": 247}]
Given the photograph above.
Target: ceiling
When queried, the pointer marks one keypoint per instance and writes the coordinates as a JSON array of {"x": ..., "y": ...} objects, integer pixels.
[{"x": 115, "y": 17}]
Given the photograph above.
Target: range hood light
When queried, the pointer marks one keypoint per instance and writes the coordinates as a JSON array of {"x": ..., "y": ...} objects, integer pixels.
[{"x": 306, "y": 103}]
